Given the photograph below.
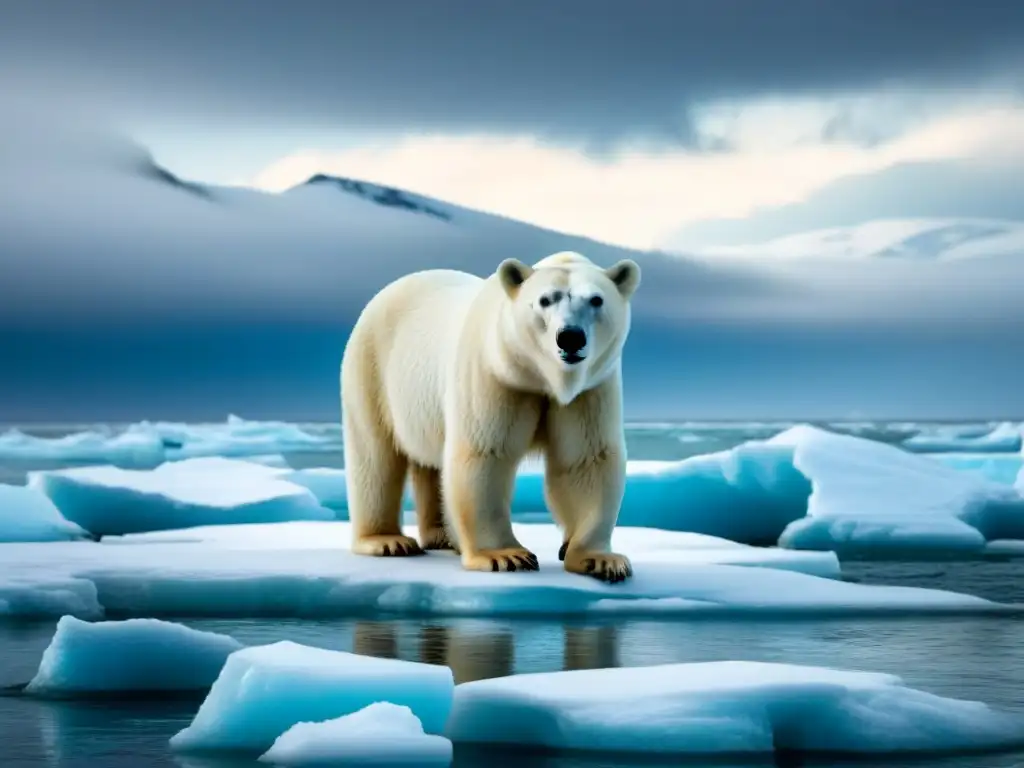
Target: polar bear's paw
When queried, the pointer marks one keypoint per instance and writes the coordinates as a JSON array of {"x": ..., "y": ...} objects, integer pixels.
[
  {"x": 387, "y": 545},
  {"x": 511, "y": 559},
  {"x": 605, "y": 566}
]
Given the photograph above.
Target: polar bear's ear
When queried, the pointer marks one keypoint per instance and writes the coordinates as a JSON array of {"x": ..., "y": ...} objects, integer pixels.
[
  {"x": 513, "y": 273},
  {"x": 626, "y": 276}
]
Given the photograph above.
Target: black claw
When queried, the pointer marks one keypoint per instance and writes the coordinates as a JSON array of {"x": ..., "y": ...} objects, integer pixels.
[
  {"x": 494, "y": 564},
  {"x": 562, "y": 550},
  {"x": 510, "y": 564},
  {"x": 589, "y": 564},
  {"x": 386, "y": 551}
]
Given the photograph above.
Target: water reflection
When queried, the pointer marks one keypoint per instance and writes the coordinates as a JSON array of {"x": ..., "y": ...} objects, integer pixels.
[{"x": 481, "y": 650}]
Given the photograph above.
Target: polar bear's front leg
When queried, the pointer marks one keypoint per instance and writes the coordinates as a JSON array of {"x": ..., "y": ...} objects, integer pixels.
[
  {"x": 585, "y": 500},
  {"x": 478, "y": 493}
]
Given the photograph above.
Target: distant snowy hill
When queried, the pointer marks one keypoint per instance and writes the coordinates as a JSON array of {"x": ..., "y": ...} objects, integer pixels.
[
  {"x": 130, "y": 239},
  {"x": 389, "y": 196},
  {"x": 908, "y": 239}
]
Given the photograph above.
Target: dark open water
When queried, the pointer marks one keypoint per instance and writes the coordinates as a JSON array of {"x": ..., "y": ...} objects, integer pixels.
[{"x": 978, "y": 658}]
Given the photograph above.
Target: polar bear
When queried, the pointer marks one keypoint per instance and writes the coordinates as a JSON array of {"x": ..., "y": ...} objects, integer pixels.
[{"x": 452, "y": 380}]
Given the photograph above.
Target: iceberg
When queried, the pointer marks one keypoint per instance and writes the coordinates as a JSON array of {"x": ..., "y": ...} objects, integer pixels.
[
  {"x": 137, "y": 446},
  {"x": 135, "y": 655},
  {"x": 36, "y": 594},
  {"x": 27, "y": 515},
  {"x": 240, "y": 437},
  {"x": 1005, "y": 437},
  {"x": 328, "y": 485},
  {"x": 108, "y": 501},
  {"x": 997, "y": 467},
  {"x": 263, "y": 691},
  {"x": 724, "y": 707},
  {"x": 874, "y": 499},
  {"x": 380, "y": 734},
  {"x": 146, "y": 444},
  {"x": 305, "y": 569}
]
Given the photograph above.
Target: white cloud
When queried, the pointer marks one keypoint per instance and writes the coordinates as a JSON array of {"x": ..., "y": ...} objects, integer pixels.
[{"x": 638, "y": 197}]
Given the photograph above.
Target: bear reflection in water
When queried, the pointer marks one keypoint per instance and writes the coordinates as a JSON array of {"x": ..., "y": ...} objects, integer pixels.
[{"x": 482, "y": 651}]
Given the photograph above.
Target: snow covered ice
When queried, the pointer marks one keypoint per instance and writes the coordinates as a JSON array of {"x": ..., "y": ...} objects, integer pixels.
[
  {"x": 723, "y": 707},
  {"x": 1003, "y": 438},
  {"x": 305, "y": 569},
  {"x": 29, "y": 516},
  {"x": 136, "y": 655},
  {"x": 872, "y": 498},
  {"x": 380, "y": 734},
  {"x": 263, "y": 691},
  {"x": 107, "y": 500}
]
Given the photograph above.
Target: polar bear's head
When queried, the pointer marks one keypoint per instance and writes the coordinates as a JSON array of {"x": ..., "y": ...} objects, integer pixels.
[{"x": 567, "y": 319}]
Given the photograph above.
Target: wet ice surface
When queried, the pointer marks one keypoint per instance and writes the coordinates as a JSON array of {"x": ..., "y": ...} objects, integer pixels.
[{"x": 969, "y": 657}]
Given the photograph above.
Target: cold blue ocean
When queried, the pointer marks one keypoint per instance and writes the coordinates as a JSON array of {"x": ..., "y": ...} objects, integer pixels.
[{"x": 960, "y": 655}]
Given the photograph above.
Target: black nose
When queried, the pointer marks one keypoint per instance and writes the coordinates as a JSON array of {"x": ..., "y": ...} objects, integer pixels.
[{"x": 571, "y": 339}]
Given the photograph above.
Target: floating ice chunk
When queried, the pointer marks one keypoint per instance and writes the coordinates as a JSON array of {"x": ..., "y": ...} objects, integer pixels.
[
  {"x": 380, "y": 734},
  {"x": 36, "y": 594},
  {"x": 108, "y": 500},
  {"x": 265, "y": 690},
  {"x": 27, "y": 515},
  {"x": 306, "y": 569},
  {"x": 1005, "y": 437},
  {"x": 723, "y": 707},
  {"x": 328, "y": 485},
  {"x": 147, "y": 444},
  {"x": 135, "y": 655},
  {"x": 137, "y": 447},
  {"x": 748, "y": 494},
  {"x": 241, "y": 437},
  {"x": 1005, "y": 548},
  {"x": 997, "y": 467},
  {"x": 874, "y": 498}
]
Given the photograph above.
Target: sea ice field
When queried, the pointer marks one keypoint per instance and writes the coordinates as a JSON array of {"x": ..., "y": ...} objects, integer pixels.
[{"x": 184, "y": 594}]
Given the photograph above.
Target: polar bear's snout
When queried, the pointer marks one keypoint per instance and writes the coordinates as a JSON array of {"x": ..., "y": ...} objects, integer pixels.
[{"x": 570, "y": 340}]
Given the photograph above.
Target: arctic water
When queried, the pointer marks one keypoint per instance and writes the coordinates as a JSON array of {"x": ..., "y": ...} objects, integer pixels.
[{"x": 965, "y": 657}]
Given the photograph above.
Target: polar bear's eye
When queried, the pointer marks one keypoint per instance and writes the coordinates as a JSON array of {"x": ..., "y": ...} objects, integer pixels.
[
  {"x": 544, "y": 301},
  {"x": 596, "y": 301}
]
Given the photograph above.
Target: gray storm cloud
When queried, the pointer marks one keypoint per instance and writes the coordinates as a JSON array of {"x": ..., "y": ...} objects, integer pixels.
[{"x": 592, "y": 71}]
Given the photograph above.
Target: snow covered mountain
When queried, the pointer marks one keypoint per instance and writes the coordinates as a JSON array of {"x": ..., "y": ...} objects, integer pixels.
[
  {"x": 906, "y": 239},
  {"x": 130, "y": 239},
  {"x": 100, "y": 230}
]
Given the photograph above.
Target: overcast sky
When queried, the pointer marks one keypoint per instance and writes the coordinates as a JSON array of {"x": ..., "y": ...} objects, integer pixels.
[
  {"x": 641, "y": 123},
  {"x": 626, "y": 121}
]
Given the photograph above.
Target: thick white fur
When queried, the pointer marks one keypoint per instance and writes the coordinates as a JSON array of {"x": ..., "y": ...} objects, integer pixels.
[{"x": 454, "y": 379}]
